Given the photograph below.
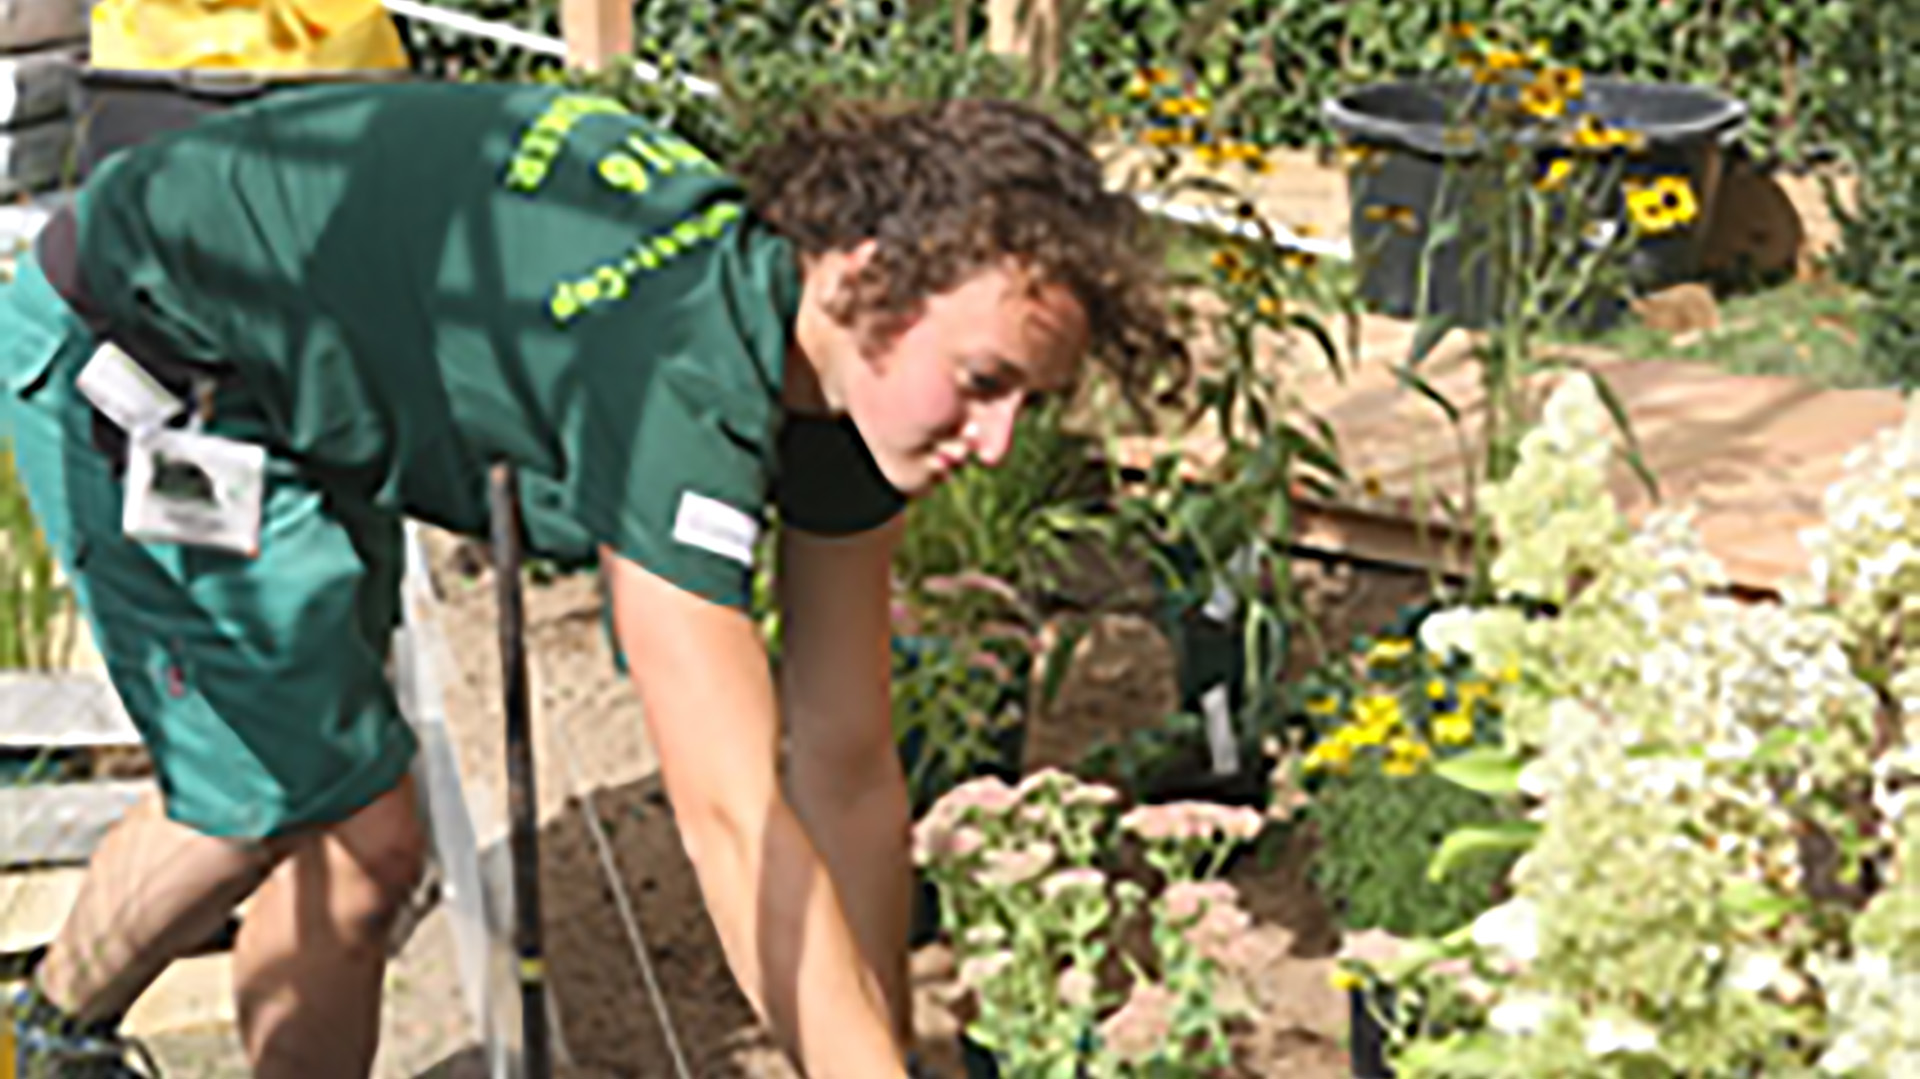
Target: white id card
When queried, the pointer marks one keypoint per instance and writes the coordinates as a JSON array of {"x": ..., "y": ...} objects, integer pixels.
[
  {"x": 194, "y": 489},
  {"x": 122, "y": 389}
]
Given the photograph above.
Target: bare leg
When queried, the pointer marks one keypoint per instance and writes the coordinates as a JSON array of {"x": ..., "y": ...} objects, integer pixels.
[
  {"x": 154, "y": 890},
  {"x": 312, "y": 953}
]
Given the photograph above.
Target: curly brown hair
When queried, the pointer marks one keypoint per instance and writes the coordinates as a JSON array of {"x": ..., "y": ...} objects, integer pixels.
[{"x": 948, "y": 188}]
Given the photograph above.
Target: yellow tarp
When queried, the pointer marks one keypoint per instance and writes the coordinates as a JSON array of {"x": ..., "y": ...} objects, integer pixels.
[{"x": 250, "y": 35}]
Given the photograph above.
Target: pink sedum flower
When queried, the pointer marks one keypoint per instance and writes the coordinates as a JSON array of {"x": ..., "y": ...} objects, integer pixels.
[
  {"x": 1372, "y": 947},
  {"x": 1186, "y": 900},
  {"x": 978, "y": 971},
  {"x": 1069, "y": 882},
  {"x": 1181, "y": 821},
  {"x": 1006, "y": 868},
  {"x": 1091, "y": 794},
  {"x": 1076, "y": 987},
  {"x": 1140, "y": 1029}
]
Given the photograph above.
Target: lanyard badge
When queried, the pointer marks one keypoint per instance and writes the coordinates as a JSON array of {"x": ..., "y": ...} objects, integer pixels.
[{"x": 182, "y": 486}]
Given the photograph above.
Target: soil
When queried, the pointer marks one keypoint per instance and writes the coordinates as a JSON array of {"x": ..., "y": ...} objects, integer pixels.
[
  {"x": 591, "y": 750},
  {"x": 1121, "y": 678}
]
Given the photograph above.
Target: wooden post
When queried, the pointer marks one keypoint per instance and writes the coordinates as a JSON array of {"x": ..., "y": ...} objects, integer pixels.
[
  {"x": 1029, "y": 29},
  {"x": 596, "y": 31}
]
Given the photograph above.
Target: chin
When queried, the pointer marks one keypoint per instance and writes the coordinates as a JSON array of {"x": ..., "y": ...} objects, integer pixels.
[{"x": 913, "y": 480}]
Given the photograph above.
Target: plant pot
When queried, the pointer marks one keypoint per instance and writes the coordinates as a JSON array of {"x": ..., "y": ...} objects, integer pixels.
[
  {"x": 1402, "y": 127},
  {"x": 1366, "y": 1037}
]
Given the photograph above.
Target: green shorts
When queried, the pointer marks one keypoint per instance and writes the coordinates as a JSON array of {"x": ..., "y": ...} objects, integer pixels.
[{"x": 258, "y": 684}]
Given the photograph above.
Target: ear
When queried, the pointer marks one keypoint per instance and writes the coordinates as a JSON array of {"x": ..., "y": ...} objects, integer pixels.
[{"x": 836, "y": 271}]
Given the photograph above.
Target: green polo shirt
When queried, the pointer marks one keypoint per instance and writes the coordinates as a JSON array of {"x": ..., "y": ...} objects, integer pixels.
[{"x": 415, "y": 281}]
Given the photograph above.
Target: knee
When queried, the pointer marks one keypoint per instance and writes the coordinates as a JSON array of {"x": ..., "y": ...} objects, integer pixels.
[{"x": 374, "y": 870}]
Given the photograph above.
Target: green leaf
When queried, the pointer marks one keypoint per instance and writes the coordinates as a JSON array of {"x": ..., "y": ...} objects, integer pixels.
[
  {"x": 1432, "y": 330},
  {"x": 1753, "y": 904},
  {"x": 1412, "y": 381},
  {"x": 1479, "y": 840},
  {"x": 1484, "y": 770},
  {"x": 1317, "y": 330},
  {"x": 1457, "y": 1054},
  {"x": 1634, "y": 457}
]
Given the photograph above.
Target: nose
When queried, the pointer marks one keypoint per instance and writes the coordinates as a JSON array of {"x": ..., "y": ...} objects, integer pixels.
[{"x": 992, "y": 428}]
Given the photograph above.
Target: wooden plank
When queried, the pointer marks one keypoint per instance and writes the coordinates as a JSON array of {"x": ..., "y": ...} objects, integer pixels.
[
  {"x": 62, "y": 823},
  {"x": 597, "y": 32},
  {"x": 62, "y": 710},
  {"x": 34, "y": 904},
  {"x": 1752, "y": 455},
  {"x": 192, "y": 992},
  {"x": 1029, "y": 29}
]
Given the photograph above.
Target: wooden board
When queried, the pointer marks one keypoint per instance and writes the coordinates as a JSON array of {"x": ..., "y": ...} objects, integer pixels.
[
  {"x": 192, "y": 992},
  {"x": 34, "y": 158},
  {"x": 33, "y": 904},
  {"x": 1751, "y": 455},
  {"x": 61, "y": 711},
  {"x": 28, "y": 24},
  {"x": 37, "y": 85},
  {"x": 61, "y": 824}
]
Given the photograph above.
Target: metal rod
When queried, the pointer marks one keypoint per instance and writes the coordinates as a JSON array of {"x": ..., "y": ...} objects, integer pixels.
[{"x": 522, "y": 806}]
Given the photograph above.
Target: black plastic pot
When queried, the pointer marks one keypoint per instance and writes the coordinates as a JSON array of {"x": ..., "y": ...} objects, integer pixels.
[
  {"x": 1401, "y": 128},
  {"x": 119, "y": 108},
  {"x": 1366, "y": 1039}
]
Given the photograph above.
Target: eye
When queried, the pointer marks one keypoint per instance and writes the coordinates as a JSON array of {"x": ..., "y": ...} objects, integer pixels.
[{"x": 988, "y": 384}]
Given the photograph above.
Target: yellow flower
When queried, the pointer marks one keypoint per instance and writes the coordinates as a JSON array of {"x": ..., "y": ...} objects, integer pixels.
[
  {"x": 1591, "y": 133},
  {"x": 1343, "y": 979},
  {"x": 1324, "y": 705},
  {"x": 1661, "y": 206},
  {"x": 1389, "y": 650},
  {"x": 1510, "y": 673},
  {"x": 1436, "y": 689},
  {"x": 1405, "y": 756},
  {"x": 1400, "y": 217},
  {"x": 1493, "y": 67},
  {"x": 1268, "y": 307},
  {"x": 1329, "y": 755},
  {"x": 1158, "y": 76},
  {"x": 1377, "y": 715},
  {"x": 1453, "y": 729},
  {"x": 1138, "y": 88},
  {"x": 1558, "y": 171},
  {"x": 1177, "y": 107},
  {"x": 1470, "y": 694},
  {"x": 1361, "y": 158},
  {"x": 1362, "y": 734},
  {"x": 1542, "y": 98},
  {"x": 1211, "y": 154},
  {"x": 1167, "y": 136},
  {"x": 1570, "y": 82},
  {"x": 1461, "y": 30}
]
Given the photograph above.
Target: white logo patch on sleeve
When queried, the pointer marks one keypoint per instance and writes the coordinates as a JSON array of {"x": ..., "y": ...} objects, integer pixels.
[{"x": 712, "y": 525}]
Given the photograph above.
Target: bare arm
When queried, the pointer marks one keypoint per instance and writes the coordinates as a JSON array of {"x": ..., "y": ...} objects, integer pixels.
[
  {"x": 702, "y": 676},
  {"x": 844, "y": 772}
]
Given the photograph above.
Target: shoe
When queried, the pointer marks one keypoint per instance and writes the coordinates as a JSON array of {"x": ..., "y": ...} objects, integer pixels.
[{"x": 32, "y": 1049}]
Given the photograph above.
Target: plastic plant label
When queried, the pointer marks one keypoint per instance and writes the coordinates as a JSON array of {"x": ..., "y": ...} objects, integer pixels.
[{"x": 1222, "y": 741}]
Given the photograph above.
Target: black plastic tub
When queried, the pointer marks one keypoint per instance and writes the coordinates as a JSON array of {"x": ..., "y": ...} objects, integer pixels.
[
  {"x": 1401, "y": 132},
  {"x": 119, "y": 108}
]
